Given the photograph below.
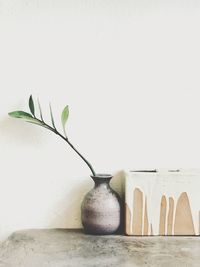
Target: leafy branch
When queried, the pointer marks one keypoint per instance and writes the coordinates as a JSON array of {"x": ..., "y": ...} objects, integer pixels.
[{"x": 31, "y": 118}]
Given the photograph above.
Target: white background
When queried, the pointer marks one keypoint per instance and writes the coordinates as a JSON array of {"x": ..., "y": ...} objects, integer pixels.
[{"x": 129, "y": 71}]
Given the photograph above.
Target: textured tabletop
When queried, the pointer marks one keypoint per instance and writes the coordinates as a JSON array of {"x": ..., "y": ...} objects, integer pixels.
[{"x": 72, "y": 248}]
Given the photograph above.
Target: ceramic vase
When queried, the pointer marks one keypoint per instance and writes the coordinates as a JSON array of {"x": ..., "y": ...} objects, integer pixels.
[{"x": 101, "y": 208}]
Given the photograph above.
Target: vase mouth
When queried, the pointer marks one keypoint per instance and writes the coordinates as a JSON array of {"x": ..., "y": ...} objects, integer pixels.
[{"x": 102, "y": 176}]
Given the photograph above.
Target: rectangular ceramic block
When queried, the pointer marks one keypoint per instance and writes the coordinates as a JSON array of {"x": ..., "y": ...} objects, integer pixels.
[{"x": 162, "y": 202}]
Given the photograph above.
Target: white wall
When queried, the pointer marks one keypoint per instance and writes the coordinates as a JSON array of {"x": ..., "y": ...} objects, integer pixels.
[{"x": 129, "y": 71}]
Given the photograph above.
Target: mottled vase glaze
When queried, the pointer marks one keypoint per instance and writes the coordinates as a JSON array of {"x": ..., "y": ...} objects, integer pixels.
[{"x": 101, "y": 208}]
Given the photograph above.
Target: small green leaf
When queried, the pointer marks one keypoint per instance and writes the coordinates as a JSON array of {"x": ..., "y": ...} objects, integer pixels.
[
  {"x": 33, "y": 120},
  {"x": 64, "y": 117},
  {"x": 38, "y": 123},
  {"x": 52, "y": 119},
  {"x": 24, "y": 115},
  {"x": 31, "y": 105},
  {"x": 40, "y": 110},
  {"x": 20, "y": 114}
]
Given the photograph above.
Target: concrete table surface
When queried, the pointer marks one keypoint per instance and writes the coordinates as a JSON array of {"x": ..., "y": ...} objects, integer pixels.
[{"x": 72, "y": 248}]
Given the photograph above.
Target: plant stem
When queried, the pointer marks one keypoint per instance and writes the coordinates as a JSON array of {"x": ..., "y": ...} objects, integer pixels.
[{"x": 69, "y": 143}]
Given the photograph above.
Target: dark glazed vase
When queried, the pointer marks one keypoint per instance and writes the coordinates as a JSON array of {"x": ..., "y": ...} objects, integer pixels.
[{"x": 101, "y": 208}]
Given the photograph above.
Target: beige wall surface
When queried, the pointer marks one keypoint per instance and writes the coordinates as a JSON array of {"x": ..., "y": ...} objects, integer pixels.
[{"x": 129, "y": 71}]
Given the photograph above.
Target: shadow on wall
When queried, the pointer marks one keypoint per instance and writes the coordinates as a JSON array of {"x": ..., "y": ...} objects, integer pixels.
[
  {"x": 118, "y": 183},
  {"x": 18, "y": 131},
  {"x": 70, "y": 211},
  {"x": 67, "y": 213}
]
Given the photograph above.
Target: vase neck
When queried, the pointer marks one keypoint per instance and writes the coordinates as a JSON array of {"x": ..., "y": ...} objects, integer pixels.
[{"x": 102, "y": 180}]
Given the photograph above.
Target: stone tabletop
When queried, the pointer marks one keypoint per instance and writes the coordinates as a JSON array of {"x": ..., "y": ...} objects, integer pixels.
[{"x": 72, "y": 248}]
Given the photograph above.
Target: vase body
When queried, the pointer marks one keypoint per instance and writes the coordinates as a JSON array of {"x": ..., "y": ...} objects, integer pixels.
[{"x": 101, "y": 208}]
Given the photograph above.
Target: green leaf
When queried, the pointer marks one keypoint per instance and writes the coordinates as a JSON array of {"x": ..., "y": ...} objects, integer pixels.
[
  {"x": 38, "y": 123},
  {"x": 40, "y": 110},
  {"x": 24, "y": 115},
  {"x": 31, "y": 105},
  {"x": 20, "y": 114},
  {"x": 64, "y": 118},
  {"x": 33, "y": 120},
  {"x": 52, "y": 119}
]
